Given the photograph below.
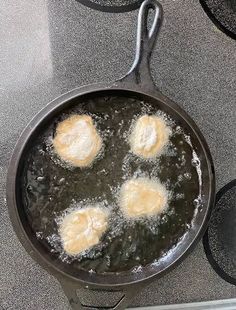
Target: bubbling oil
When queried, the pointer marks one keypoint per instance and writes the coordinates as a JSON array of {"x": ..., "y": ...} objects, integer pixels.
[{"x": 51, "y": 188}]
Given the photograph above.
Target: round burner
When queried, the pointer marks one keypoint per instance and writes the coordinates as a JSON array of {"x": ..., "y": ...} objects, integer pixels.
[
  {"x": 223, "y": 14},
  {"x": 220, "y": 238},
  {"x": 112, "y": 6}
]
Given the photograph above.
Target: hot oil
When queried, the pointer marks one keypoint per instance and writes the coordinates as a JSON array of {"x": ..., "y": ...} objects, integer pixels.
[{"x": 51, "y": 187}]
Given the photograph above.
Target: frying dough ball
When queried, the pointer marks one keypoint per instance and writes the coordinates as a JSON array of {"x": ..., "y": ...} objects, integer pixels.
[
  {"x": 142, "y": 197},
  {"x": 81, "y": 229},
  {"x": 77, "y": 140},
  {"x": 149, "y": 136}
]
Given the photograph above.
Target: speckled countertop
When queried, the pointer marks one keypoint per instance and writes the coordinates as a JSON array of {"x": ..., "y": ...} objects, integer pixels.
[{"x": 49, "y": 47}]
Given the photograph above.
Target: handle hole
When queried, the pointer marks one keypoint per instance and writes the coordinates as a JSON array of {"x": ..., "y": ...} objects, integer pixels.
[
  {"x": 150, "y": 19},
  {"x": 99, "y": 299}
]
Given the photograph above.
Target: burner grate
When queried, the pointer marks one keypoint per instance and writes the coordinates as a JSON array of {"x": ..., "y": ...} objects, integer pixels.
[
  {"x": 223, "y": 14},
  {"x": 220, "y": 238}
]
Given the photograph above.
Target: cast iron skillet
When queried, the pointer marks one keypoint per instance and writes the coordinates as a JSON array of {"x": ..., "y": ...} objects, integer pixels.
[{"x": 137, "y": 83}]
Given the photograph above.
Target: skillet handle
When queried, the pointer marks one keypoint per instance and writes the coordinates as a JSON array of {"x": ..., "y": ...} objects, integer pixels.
[
  {"x": 71, "y": 290},
  {"x": 146, "y": 39}
]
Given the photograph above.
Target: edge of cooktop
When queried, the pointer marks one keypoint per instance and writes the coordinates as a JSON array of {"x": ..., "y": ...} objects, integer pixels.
[{"x": 223, "y": 304}]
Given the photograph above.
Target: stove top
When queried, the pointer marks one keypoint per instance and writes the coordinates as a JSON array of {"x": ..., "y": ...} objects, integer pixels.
[{"x": 50, "y": 47}]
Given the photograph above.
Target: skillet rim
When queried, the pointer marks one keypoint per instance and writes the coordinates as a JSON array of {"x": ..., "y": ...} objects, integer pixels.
[{"x": 23, "y": 141}]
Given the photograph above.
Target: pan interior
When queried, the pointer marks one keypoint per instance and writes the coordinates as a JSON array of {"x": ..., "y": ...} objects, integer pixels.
[{"x": 48, "y": 187}]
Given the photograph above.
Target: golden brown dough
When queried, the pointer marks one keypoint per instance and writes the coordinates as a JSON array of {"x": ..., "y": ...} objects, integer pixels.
[
  {"x": 149, "y": 136},
  {"x": 77, "y": 140},
  {"x": 142, "y": 197},
  {"x": 81, "y": 229}
]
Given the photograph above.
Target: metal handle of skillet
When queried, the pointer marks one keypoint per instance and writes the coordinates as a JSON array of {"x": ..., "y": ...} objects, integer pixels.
[
  {"x": 140, "y": 74},
  {"x": 146, "y": 39}
]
